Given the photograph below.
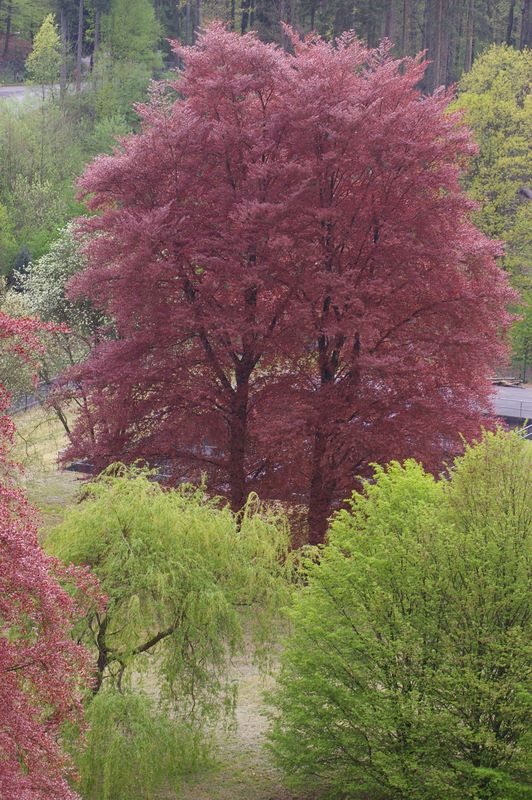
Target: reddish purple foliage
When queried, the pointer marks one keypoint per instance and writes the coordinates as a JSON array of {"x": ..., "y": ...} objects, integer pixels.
[
  {"x": 287, "y": 254},
  {"x": 41, "y": 668}
]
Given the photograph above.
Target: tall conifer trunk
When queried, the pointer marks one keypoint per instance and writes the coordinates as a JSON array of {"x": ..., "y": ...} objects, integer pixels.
[
  {"x": 8, "y": 28},
  {"x": 468, "y": 61},
  {"x": 245, "y": 16},
  {"x": 389, "y": 20},
  {"x": 197, "y": 18},
  {"x": 188, "y": 22},
  {"x": 97, "y": 17},
  {"x": 525, "y": 40},
  {"x": 63, "y": 73},
  {"x": 79, "y": 49}
]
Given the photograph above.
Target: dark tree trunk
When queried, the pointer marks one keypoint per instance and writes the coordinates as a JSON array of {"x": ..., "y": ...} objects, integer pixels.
[
  {"x": 232, "y": 15},
  {"x": 426, "y": 25},
  {"x": 319, "y": 504},
  {"x": 8, "y": 28},
  {"x": 79, "y": 49},
  {"x": 437, "y": 55},
  {"x": 197, "y": 18},
  {"x": 282, "y": 18},
  {"x": 444, "y": 44},
  {"x": 238, "y": 443},
  {"x": 293, "y": 13},
  {"x": 63, "y": 73},
  {"x": 510, "y": 24},
  {"x": 103, "y": 654},
  {"x": 312, "y": 16},
  {"x": 188, "y": 23},
  {"x": 343, "y": 18},
  {"x": 245, "y": 16},
  {"x": 389, "y": 20},
  {"x": 406, "y": 27},
  {"x": 97, "y": 17},
  {"x": 468, "y": 60},
  {"x": 525, "y": 40}
]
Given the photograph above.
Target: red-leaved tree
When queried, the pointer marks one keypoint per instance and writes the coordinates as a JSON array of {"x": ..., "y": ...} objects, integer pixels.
[
  {"x": 403, "y": 303},
  {"x": 296, "y": 286},
  {"x": 41, "y": 669}
]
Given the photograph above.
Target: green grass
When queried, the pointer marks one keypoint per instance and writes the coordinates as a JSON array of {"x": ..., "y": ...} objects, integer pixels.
[
  {"x": 244, "y": 771},
  {"x": 38, "y": 440}
]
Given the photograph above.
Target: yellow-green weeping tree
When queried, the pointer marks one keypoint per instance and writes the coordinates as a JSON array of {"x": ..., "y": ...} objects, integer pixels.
[
  {"x": 498, "y": 106},
  {"x": 187, "y": 582}
]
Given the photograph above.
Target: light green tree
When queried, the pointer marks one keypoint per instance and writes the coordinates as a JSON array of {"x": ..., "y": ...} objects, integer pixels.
[
  {"x": 186, "y": 582},
  {"x": 8, "y": 242},
  {"x": 43, "y": 65},
  {"x": 44, "y": 62},
  {"x": 496, "y": 99},
  {"x": 407, "y": 674}
]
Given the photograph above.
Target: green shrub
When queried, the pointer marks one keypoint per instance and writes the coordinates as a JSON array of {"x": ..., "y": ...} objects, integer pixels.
[{"x": 406, "y": 676}]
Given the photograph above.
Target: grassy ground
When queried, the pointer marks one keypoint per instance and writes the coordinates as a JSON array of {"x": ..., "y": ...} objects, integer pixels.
[
  {"x": 244, "y": 771},
  {"x": 39, "y": 439}
]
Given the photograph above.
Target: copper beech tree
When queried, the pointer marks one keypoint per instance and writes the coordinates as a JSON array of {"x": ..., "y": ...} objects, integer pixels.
[
  {"x": 42, "y": 670},
  {"x": 296, "y": 286}
]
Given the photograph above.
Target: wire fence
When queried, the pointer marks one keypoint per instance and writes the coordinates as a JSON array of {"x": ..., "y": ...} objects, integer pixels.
[{"x": 30, "y": 399}]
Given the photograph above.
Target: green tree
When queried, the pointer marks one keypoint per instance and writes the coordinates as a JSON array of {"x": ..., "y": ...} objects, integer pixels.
[
  {"x": 407, "y": 674},
  {"x": 132, "y": 750},
  {"x": 44, "y": 62},
  {"x": 496, "y": 99},
  {"x": 131, "y": 33},
  {"x": 8, "y": 243},
  {"x": 16, "y": 377},
  {"x": 43, "y": 65},
  {"x": 46, "y": 282},
  {"x": 185, "y": 579},
  {"x": 44, "y": 287}
]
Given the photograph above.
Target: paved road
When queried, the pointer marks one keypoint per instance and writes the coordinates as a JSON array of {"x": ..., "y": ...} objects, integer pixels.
[
  {"x": 20, "y": 92},
  {"x": 513, "y": 401},
  {"x": 16, "y": 91}
]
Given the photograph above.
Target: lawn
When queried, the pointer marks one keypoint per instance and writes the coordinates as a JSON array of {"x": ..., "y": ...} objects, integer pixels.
[{"x": 38, "y": 440}]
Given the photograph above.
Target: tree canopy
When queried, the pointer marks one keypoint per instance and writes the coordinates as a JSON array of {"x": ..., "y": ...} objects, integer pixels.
[
  {"x": 43, "y": 63},
  {"x": 288, "y": 307},
  {"x": 407, "y": 672},
  {"x": 496, "y": 99}
]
